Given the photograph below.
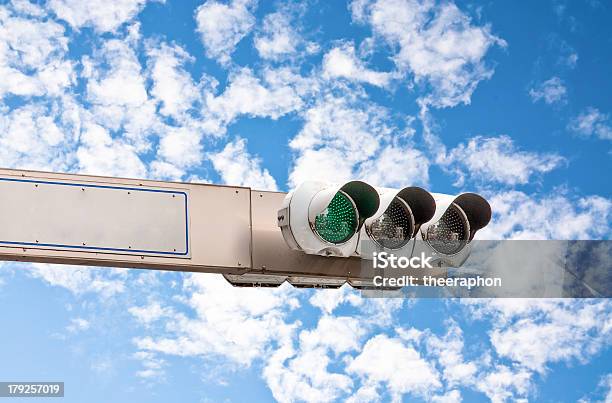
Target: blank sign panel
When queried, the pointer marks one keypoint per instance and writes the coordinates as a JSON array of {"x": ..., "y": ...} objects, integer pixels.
[{"x": 94, "y": 217}]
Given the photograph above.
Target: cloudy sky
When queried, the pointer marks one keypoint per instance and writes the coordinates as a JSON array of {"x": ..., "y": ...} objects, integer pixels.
[{"x": 510, "y": 100}]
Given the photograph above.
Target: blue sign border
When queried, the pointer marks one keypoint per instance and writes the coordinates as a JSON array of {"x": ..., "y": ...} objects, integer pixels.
[{"x": 131, "y": 251}]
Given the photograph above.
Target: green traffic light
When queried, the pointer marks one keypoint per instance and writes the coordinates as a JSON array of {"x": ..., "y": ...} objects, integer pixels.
[{"x": 339, "y": 221}]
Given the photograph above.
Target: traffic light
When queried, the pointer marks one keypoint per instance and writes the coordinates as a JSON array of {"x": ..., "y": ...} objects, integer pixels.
[
  {"x": 398, "y": 218},
  {"x": 448, "y": 234},
  {"x": 334, "y": 220},
  {"x": 325, "y": 219},
  {"x": 232, "y": 230}
]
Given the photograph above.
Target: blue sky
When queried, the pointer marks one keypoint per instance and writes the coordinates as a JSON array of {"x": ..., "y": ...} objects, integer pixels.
[{"x": 510, "y": 100}]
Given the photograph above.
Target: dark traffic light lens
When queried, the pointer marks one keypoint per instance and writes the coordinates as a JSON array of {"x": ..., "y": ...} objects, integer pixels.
[
  {"x": 339, "y": 221},
  {"x": 394, "y": 228},
  {"x": 452, "y": 231}
]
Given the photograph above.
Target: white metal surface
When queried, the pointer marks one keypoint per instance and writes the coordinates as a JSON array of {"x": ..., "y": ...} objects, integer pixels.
[
  {"x": 310, "y": 199},
  {"x": 103, "y": 218},
  {"x": 421, "y": 205},
  {"x": 218, "y": 217}
]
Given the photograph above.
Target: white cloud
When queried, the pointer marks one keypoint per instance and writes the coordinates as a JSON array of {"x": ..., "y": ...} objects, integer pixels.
[
  {"x": 81, "y": 280},
  {"x": 396, "y": 166},
  {"x": 100, "y": 154},
  {"x": 305, "y": 378},
  {"x": 550, "y": 91},
  {"x": 504, "y": 383},
  {"x": 303, "y": 374},
  {"x": 343, "y": 139},
  {"x": 329, "y": 299},
  {"x": 517, "y": 215},
  {"x": 32, "y": 52},
  {"x": 150, "y": 371},
  {"x": 603, "y": 391},
  {"x": 172, "y": 86},
  {"x": 449, "y": 352},
  {"x": 163, "y": 170},
  {"x": 572, "y": 331},
  {"x": 237, "y": 167},
  {"x": 102, "y": 365},
  {"x": 606, "y": 383},
  {"x": 592, "y": 122},
  {"x": 566, "y": 55},
  {"x": 116, "y": 87},
  {"x": 506, "y": 310},
  {"x": 180, "y": 98},
  {"x": 122, "y": 83},
  {"x": 342, "y": 62},
  {"x": 149, "y": 313},
  {"x": 153, "y": 366},
  {"x": 240, "y": 326},
  {"x": 27, "y": 8},
  {"x": 278, "y": 93},
  {"x": 78, "y": 325},
  {"x": 400, "y": 368},
  {"x": 324, "y": 164},
  {"x": 453, "y": 396},
  {"x": 180, "y": 147},
  {"x": 381, "y": 312},
  {"x": 571, "y": 60},
  {"x": 103, "y": 16},
  {"x": 31, "y": 137},
  {"x": 533, "y": 333},
  {"x": 437, "y": 44},
  {"x": 334, "y": 121},
  {"x": 222, "y": 26},
  {"x": 338, "y": 334},
  {"x": 237, "y": 324},
  {"x": 497, "y": 159},
  {"x": 278, "y": 38}
]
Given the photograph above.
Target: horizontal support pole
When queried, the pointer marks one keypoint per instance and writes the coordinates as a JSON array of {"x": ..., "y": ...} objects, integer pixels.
[{"x": 133, "y": 223}]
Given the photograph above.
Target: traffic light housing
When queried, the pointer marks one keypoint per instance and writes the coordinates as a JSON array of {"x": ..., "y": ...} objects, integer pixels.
[
  {"x": 448, "y": 234},
  {"x": 325, "y": 219},
  {"x": 336, "y": 219},
  {"x": 399, "y": 216}
]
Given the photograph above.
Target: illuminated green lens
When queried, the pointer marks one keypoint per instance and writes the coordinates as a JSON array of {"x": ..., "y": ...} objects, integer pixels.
[{"x": 338, "y": 222}]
